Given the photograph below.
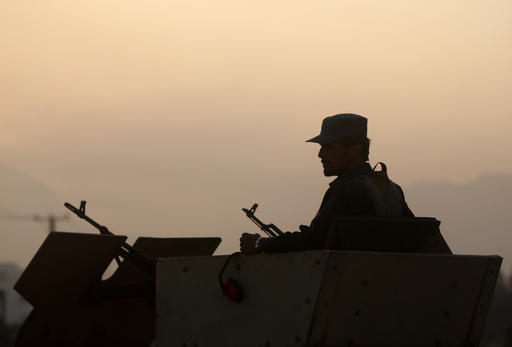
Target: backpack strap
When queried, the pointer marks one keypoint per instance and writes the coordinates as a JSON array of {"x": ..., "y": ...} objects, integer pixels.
[{"x": 383, "y": 168}]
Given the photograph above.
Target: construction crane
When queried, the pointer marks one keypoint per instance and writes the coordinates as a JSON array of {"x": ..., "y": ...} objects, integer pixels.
[{"x": 50, "y": 219}]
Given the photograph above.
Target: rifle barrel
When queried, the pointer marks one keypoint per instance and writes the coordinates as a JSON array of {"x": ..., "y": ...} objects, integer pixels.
[
  {"x": 127, "y": 252},
  {"x": 270, "y": 229}
]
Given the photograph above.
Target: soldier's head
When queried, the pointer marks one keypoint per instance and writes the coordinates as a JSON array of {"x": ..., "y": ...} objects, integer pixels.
[{"x": 343, "y": 143}]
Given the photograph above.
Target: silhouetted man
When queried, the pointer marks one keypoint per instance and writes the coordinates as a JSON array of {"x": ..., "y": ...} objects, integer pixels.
[{"x": 357, "y": 191}]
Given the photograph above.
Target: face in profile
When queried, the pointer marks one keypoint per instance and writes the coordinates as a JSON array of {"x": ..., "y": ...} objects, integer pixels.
[{"x": 337, "y": 157}]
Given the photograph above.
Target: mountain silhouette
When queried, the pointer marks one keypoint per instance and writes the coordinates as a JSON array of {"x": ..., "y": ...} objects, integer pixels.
[{"x": 474, "y": 216}]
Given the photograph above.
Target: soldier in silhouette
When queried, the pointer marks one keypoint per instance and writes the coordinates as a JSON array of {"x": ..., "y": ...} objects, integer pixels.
[{"x": 358, "y": 189}]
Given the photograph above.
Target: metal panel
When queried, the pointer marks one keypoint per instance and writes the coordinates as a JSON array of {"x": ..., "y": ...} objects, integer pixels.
[
  {"x": 280, "y": 296},
  {"x": 486, "y": 293},
  {"x": 64, "y": 268},
  {"x": 158, "y": 247},
  {"x": 386, "y": 299},
  {"x": 405, "y": 235}
]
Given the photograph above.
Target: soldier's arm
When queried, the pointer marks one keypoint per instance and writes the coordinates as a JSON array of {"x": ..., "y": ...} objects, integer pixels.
[
  {"x": 293, "y": 241},
  {"x": 339, "y": 204}
]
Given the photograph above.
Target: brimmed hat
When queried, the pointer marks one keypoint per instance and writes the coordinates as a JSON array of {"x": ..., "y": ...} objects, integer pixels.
[{"x": 341, "y": 125}]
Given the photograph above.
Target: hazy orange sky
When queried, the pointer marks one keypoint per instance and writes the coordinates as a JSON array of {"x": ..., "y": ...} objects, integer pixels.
[{"x": 188, "y": 111}]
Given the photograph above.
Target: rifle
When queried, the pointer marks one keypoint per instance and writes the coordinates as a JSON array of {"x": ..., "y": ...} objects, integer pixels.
[
  {"x": 127, "y": 252},
  {"x": 270, "y": 229}
]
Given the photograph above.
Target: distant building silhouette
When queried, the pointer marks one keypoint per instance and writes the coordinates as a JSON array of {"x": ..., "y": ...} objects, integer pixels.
[{"x": 16, "y": 308}]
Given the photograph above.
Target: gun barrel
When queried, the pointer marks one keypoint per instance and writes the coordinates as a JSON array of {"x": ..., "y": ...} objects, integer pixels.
[
  {"x": 102, "y": 229},
  {"x": 275, "y": 229},
  {"x": 270, "y": 229},
  {"x": 127, "y": 252}
]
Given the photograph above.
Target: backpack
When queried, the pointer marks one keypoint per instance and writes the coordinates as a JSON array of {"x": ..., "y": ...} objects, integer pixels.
[{"x": 387, "y": 197}]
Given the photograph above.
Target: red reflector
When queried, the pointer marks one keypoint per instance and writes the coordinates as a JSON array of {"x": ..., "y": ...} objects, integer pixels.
[{"x": 232, "y": 290}]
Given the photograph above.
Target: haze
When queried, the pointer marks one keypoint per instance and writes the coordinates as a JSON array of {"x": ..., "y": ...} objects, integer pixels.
[{"x": 168, "y": 117}]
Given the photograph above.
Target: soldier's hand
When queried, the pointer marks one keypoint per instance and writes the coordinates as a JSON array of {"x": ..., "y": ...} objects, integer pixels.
[
  {"x": 304, "y": 228},
  {"x": 248, "y": 243}
]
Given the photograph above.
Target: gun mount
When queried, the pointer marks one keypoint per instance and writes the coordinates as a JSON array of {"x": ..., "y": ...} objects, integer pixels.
[{"x": 73, "y": 306}]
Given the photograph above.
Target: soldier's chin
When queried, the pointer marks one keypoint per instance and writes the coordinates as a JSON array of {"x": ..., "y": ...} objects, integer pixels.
[{"x": 329, "y": 172}]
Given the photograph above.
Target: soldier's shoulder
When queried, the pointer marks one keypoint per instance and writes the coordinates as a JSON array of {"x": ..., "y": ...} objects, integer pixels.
[{"x": 356, "y": 185}]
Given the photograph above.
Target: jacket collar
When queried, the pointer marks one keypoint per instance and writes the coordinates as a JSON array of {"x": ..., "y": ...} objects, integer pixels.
[{"x": 361, "y": 170}]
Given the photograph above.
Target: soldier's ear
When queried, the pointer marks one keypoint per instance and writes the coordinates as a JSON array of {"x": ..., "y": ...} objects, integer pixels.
[{"x": 355, "y": 150}]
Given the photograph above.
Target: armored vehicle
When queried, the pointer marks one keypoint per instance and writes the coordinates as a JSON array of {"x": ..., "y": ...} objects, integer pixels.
[{"x": 377, "y": 282}]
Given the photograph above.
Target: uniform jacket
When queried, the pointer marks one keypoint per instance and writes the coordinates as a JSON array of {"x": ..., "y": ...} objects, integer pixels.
[{"x": 354, "y": 193}]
